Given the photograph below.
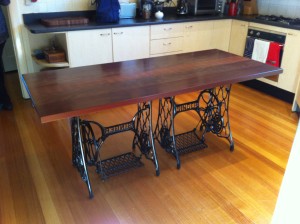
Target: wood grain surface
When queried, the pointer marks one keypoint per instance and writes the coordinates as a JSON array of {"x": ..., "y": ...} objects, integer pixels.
[
  {"x": 64, "y": 93},
  {"x": 38, "y": 183}
]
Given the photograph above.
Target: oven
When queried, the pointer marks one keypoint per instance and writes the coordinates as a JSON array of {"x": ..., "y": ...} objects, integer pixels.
[{"x": 265, "y": 46}]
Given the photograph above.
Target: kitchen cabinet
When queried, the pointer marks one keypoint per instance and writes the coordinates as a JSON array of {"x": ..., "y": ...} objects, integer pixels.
[
  {"x": 205, "y": 35},
  {"x": 166, "y": 39},
  {"x": 239, "y": 30},
  {"x": 34, "y": 42},
  {"x": 191, "y": 37},
  {"x": 130, "y": 43},
  {"x": 166, "y": 31},
  {"x": 296, "y": 104},
  {"x": 221, "y": 34},
  {"x": 290, "y": 62},
  {"x": 89, "y": 47},
  {"x": 197, "y": 36},
  {"x": 166, "y": 46}
]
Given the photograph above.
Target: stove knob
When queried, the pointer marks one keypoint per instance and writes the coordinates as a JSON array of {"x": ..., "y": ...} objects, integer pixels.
[{"x": 258, "y": 34}]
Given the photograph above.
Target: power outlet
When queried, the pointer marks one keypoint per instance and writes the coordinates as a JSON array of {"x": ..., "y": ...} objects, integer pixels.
[{"x": 28, "y": 2}]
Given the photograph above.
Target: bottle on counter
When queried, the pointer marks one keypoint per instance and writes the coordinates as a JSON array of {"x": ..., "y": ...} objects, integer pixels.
[
  {"x": 240, "y": 9},
  {"x": 226, "y": 8},
  {"x": 232, "y": 8}
]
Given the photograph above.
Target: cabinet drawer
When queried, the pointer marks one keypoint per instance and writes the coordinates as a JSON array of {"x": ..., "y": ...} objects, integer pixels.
[
  {"x": 166, "y": 45},
  {"x": 167, "y": 31}
]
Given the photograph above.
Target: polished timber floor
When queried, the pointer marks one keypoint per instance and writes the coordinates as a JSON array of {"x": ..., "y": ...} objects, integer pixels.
[{"x": 38, "y": 183}]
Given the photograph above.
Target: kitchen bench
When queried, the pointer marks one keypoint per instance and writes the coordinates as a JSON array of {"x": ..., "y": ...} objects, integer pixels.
[{"x": 72, "y": 92}]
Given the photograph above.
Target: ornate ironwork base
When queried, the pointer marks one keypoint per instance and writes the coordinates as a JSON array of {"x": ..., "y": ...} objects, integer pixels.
[
  {"x": 87, "y": 144},
  {"x": 212, "y": 108}
]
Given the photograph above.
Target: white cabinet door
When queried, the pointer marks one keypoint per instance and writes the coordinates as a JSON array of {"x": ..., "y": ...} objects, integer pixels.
[
  {"x": 290, "y": 62},
  {"x": 205, "y": 35},
  {"x": 197, "y": 36},
  {"x": 89, "y": 47},
  {"x": 221, "y": 34},
  {"x": 131, "y": 43},
  {"x": 239, "y": 30},
  {"x": 191, "y": 37}
]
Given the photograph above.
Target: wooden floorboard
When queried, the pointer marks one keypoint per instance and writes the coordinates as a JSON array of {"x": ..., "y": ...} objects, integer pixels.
[{"x": 38, "y": 183}]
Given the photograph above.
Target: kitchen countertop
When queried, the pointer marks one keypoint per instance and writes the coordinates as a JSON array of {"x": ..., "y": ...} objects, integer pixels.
[{"x": 33, "y": 24}]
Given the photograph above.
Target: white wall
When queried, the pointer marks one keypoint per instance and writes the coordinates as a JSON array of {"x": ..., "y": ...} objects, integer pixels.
[
  {"x": 288, "y": 202},
  {"x": 288, "y": 8},
  {"x": 56, "y": 6}
]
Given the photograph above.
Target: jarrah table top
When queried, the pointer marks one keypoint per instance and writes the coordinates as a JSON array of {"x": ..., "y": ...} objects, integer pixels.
[{"x": 65, "y": 93}]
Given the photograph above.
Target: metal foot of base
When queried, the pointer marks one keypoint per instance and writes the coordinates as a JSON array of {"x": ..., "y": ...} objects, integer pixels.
[
  {"x": 117, "y": 165},
  {"x": 189, "y": 142}
]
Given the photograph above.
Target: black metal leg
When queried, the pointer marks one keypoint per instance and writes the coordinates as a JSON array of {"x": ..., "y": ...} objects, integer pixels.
[
  {"x": 173, "y": 135},
  {"x": 144, "y": 138},
  {"x": 223, "y": 93},
  {"x": 78, "y": 156},
  {"x": 214, "y": 112},
  {"x": 152, "y": 142},
  {"x": 164, "y": 130}
]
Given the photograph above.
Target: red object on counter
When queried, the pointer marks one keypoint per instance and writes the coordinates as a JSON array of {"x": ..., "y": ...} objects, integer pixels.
[
  {"x": 232, "y": 8},
  {"x": 273, "y": 57}
]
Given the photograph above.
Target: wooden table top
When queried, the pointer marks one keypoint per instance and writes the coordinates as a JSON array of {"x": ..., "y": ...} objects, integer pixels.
[{"x": 65, "y": 93}]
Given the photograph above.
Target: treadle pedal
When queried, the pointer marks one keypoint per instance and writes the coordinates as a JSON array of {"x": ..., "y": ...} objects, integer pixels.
[
  {"x": 118, "y": 165},
  {"x": 188, "y": 142}
]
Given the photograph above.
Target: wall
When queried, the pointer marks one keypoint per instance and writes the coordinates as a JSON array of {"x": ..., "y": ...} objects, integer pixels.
[
  {"x": 56, "y": 6},
  {"x": 287, "y": 206},
  {"x": 288, "y": 8}
]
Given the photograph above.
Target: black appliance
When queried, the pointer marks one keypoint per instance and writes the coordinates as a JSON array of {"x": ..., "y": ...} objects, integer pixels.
[
  {"x": 267, "y": 35},
  {"x": 275, "y": 52},
  {"x": 198, "y": 7}
]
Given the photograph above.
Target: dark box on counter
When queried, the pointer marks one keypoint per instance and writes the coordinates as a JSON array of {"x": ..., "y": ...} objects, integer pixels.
[{"x": 53, "y": 56}]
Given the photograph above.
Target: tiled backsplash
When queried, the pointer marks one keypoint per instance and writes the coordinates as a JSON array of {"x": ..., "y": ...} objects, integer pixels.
[{"x": 288, "y": 8}]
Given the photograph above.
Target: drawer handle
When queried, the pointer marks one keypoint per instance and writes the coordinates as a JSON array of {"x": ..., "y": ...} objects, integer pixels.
[
  {"x": 168, "y": 29},
  {"x": 104, "y": 34},
  {"x": 189, "y": 27},
  {"x": 165, "y": 44},
  {"x": 118, "y": 33}
]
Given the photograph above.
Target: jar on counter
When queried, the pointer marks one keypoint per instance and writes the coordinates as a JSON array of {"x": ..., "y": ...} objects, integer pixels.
[{"x": 147, "y": 11}]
